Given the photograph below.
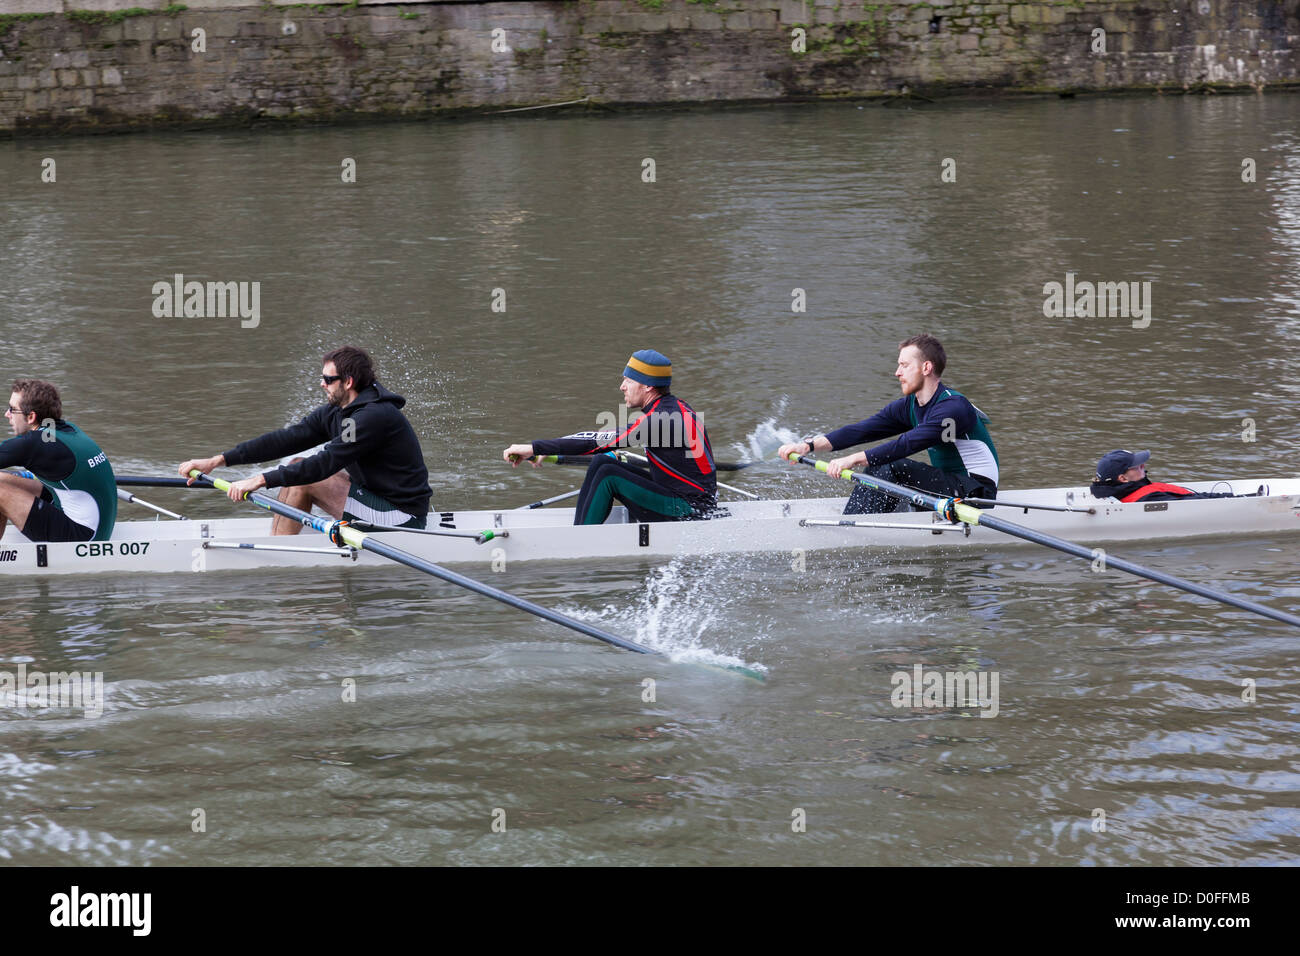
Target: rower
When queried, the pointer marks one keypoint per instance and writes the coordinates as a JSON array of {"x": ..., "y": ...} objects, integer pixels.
[
  {"x": 681, "y": 483},
  {"x": 929, "y": 417},
  {"x": 371, "y": 469},
  {"x": 74, "y": 494},
  {"x": 1123, "y": 474}
]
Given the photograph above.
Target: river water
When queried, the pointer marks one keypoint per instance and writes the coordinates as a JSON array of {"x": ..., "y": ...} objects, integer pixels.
[{"x": 481, "y": 736}]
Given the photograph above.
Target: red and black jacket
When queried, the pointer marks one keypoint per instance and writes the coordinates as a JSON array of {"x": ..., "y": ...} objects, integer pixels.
[
  {"x": 1148, "y": 490},
  {"x": 674, "y": 439}
]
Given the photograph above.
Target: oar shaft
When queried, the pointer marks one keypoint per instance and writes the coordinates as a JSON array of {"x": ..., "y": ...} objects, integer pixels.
[
  {"x": 411, "y": 561},
  {"x": 148, "y": 481},
  {"x": 132, "y": 499},
  {"x": 621, "y": 453},
  {"x": 586, "y": 460},
  {"x": 949, "y": 507},
  {"x": 1120, "y": 564},
  {"x": 359, "y": 539},
  {"x": 550, "y": 501}
]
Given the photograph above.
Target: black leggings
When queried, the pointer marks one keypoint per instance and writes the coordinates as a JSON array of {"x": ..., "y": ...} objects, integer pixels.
[{"x": 646, "y": 500}]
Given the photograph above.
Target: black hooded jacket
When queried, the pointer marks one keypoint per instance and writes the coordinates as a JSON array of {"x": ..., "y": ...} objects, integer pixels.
[{"x": 379, "y": 450}]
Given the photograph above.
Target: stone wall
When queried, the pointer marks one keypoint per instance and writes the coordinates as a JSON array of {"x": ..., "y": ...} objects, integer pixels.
[{"x": 235, "y": 62}]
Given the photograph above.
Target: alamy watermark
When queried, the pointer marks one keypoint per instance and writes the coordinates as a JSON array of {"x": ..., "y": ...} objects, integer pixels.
[
  {"x": 1102, "y": 300},
  {"x": 47, "y": 690},
  {"x": 179, "y": 299},
  {"x": 927, "y": 690}
]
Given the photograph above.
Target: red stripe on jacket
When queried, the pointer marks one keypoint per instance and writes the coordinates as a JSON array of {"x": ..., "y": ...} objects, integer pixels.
[{"x": 1153, "y": 488}]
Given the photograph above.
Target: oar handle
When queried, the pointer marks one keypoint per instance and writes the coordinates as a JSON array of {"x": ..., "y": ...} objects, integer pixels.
[{"x": 819, "y": 465}]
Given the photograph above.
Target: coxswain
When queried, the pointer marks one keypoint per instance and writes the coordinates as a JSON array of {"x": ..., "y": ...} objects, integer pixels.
[
  {"x": 1123, "y": 474},
  {"x": 681, "y": 482},
  {"x": 371, "y": 468},
  {"x": 928, "y": 417},
  {"x": 73, "y": 496}
]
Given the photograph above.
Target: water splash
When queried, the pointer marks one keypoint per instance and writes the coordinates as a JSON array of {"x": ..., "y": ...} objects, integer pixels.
[
  {"x": 766, "y": 437},
  {"x": 674, "y": 614}
]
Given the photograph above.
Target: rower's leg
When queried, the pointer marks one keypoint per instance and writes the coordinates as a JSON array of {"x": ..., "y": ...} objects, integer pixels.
[
  {"x": 645, "y": 499},
  {"x": 868, "y": 501},
  {"x": 17, "y": 496},
  {"x": 596, "y": 471},
  {"x": 912, "y": 474},
  {"x": 331, "y": 493}
]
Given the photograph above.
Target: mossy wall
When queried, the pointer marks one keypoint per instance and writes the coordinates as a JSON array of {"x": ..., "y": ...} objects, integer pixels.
[{"x": 135, "y": 67}]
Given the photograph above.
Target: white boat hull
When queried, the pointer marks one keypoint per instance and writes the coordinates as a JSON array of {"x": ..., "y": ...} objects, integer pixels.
[{"x": 754, "y": 526}]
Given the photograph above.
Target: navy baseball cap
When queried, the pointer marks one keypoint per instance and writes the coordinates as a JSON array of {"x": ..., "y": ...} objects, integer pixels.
[{"x": 1119, "y": 461}]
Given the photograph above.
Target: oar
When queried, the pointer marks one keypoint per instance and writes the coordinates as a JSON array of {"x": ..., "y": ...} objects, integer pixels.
[
  {"x": 482, "y": 537},
  {"x": 127, "y": 496},
  {"x": 954, "y": 509},
  {"x": 586, "y": 460},
  {"x": 342, "y": 534},
  {"x": 624, "y": 455},
  {"x": 550, "y": 501},
  {"x": 145, "y": 481},
  {"x": 122, "y": 495}
]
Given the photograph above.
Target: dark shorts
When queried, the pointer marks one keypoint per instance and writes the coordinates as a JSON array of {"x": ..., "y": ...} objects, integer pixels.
[
  {"x": 364, "y": 505},
  {"x": 45, "y": 522}
]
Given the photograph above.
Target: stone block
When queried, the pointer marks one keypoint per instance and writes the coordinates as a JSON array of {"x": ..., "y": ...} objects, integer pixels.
[
  {"x": 168, "y": 29},
  {"x": 631, "y": 23},
  {"x": 968, "y": 41},
  {"x": 792, "y": 11},
  {"x": 112, "y": 76},
  {"x": 26, "y": 82},
  {"x": 138, "y": 28},
  {"x": 90, "y": 77},
  {"x": 1112, "y": 23},
  {"x": 1026, "y": 13},
  {"x": 704, "y": 20}
]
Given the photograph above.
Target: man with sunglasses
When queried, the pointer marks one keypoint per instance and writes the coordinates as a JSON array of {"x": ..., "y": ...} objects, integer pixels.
[
  {"x": 371, "y": 468},
  {"x": 73, "y": 494}
]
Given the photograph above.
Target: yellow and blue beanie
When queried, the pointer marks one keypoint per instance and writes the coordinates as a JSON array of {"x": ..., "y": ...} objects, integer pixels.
[{"x": 649, "y": 368}]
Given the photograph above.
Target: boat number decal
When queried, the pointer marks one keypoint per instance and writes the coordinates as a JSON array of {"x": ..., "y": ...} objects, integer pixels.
[
  {"x": 448, "y": 519},
  {"x": 104, "y": 549},
  {"x": 8, "y": 555}
]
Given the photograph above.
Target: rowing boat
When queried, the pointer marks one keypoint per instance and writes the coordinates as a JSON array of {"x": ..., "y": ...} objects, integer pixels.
[{"x": 230, "y": 544}]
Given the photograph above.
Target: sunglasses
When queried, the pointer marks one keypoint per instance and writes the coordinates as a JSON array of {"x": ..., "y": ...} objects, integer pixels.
[{"x": 330, "y": 379}]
